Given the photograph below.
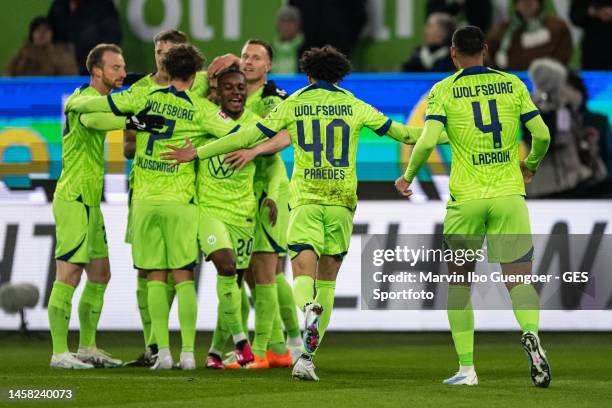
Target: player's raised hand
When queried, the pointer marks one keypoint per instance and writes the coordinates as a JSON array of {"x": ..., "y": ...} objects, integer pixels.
[
  {"x": 403, "y": 187},
  {"x": 221, "y": 63},
  {"x": 144, "y": 122},
  {"x": 527, "y": 174},
  {"x": 180, "y": 154},
  {"x": 272, "y": 216},
  {"x": 240, "y": 158}
]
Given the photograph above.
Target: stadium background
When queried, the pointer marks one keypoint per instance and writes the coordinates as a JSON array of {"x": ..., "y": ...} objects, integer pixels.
[{"x": 30, "y": 151}]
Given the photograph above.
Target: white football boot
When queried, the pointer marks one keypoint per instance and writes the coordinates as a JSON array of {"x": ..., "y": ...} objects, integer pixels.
[
  {"x": 67, "y": 360},
  {"x": 98, "y": 357},
  {"x": 163, "y": 361},
  {"x": 312, "y": 315},
  {"x": 187, "y": 361},
  {"x": 538, "y": 364},
  {"x": 304, "y": 369},
  {"x": 465, "y": 376}
]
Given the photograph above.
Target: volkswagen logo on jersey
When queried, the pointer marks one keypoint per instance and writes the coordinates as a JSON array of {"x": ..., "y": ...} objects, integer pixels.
[{"x": 218, "y": 169}]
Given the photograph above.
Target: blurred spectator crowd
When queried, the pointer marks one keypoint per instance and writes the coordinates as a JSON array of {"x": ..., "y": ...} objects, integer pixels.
[{"x": 529, "y": 39}]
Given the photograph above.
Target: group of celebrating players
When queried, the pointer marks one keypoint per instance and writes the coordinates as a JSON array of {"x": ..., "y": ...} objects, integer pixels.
[{"x": 207, "y": 176}]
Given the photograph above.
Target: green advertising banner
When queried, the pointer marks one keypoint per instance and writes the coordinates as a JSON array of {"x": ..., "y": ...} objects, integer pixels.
[{"x": 395, "y": 27}]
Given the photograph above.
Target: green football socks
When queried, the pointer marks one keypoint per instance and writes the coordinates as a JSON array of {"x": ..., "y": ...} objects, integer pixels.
[
  {"x": 303, "y": 290},
  {"x": 229, "y": 305},
  {"x": 59, "y": 308},
  {"x": 325, "y": 297},
  {"x": 245, "y": 308},
  {"x": 526, "y": 306},
  {"x": 277, "y": 337},
  {"x": 90, "y": 307},
  {"x": 266, "y": 309},
  {"x": 159, "y": 311},
  {"x": 143, "y": 308},
  {"x": 286, "y": 304},
  {"x": 188, "y": 314},
  {"x": 461, "y": 319}
]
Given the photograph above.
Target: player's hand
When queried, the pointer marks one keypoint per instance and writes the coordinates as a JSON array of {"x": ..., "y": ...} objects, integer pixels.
[
  {"x": 272, "y": 216},
  {"x": 145, "y": 123},
  {"x": 527, "y": 174},
  {"x": 240, "y": 158},
  {"x": 221, "y": 63},
  {"x": 180, "y": 154},
  {"x": 403, "y": 187}
]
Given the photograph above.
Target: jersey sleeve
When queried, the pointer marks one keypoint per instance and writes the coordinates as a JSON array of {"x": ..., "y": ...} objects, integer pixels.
[
  {"x": 132, "y": 100},
  {"x": 410, "y": 134},
  {"x": 278, "y": 119},
  {"x": 373, "y": 119},
  {"x": 276, "y": 176},
  {"x": 242, "y": 138},
  {"x": 435, "y": 104},
  {"x": 423, "y": 148},
  {"x": 528, "y": 108},
  {"x": 102, "y": 121}
]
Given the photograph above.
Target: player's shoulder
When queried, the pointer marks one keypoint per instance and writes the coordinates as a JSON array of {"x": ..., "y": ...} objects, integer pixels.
[
  {"x": 249, "y": 117},
  {"x": 83, "y": 90},
  {"x": 446, "y": 83},
  {"x": 270, "y": 89},
  {"x": 146, "y": 81}
]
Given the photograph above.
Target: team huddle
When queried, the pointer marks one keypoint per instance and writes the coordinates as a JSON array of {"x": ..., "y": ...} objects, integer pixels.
[{"x": 207, "y": 177}]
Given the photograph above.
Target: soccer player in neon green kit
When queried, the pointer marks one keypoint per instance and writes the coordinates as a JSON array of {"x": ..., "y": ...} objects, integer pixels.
[
  {"x": 163, "y": 41},
  {"x": 324, "y": 122},
  {"x": 228, "y": 207},
  {"x": 271, "y": 189},
  {"x": 482, "y": 110},
  {"x": 165, "y": 236},
  {"x": 81, "y": 237}
]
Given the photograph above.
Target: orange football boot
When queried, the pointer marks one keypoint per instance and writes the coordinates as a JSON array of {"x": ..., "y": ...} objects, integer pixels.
[
  {"x": 258, "y": 363},
  {"x": 279, "y": 360}
]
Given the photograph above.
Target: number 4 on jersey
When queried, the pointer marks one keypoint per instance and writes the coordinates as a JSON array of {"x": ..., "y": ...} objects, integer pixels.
[{"x": 494, "y": 127}]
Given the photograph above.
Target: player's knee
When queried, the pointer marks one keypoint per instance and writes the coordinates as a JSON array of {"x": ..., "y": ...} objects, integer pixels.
[{"x": 226, "y": 268}]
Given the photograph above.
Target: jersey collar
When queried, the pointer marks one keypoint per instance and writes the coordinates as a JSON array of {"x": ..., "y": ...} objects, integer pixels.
[
  {"x": 172, "y": 90},
  {"x": 321, "y": 84},
  {"x": 476, "y": 70}
]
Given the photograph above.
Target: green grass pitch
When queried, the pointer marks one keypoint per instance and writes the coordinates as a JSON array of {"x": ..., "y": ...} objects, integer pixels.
[{"x": 356, "y": 370}]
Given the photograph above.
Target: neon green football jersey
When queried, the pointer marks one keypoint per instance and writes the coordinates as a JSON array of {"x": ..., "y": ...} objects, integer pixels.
[
  {"x": 482, "y": 110},
  {"x": 224, "y": 193},
  {"x": 262, "y": 102},
  {"x": 324, "y": 122},
  {"x": 146, "y": 82},
  {"x": 187, "y": 116},
  {"x": 82, "y": 157}
]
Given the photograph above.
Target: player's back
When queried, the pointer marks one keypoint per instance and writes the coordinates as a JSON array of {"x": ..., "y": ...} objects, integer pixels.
[
  {"x": 187, "y": 115},
  {"x": 82, "y": 157},
  {"x": 482, "y": 109},
  {"x": 324, "y": 122}
]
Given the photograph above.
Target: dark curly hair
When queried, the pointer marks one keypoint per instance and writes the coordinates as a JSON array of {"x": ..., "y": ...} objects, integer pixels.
[
  {"x": 182, "y": 61},
  {"x": 325, "y": 63},
  {"x": 234, "y": 69}
]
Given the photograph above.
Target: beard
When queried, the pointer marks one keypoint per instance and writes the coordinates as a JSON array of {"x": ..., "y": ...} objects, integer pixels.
[{"x": 111, "y": 84}]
